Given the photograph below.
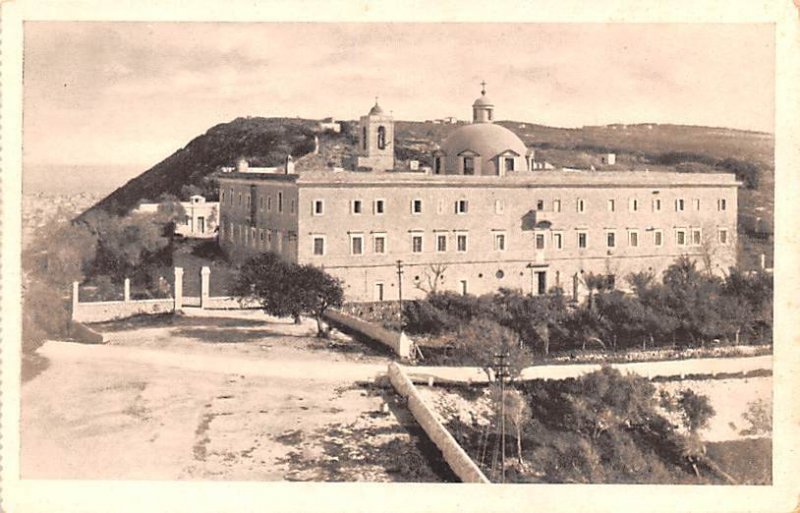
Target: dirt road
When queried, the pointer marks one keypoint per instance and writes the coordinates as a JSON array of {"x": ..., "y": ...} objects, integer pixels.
[{"x": 218, "y": 398}]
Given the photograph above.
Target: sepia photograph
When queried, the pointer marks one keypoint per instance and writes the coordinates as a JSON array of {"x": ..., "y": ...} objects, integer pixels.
[{"x": 385, "y": 251}]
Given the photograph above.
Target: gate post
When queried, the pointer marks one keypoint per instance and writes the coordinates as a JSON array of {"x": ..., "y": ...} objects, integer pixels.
[
  {"x": 205, "y": 281},
  {"x": 178, "y": 289},
  {"x": 126, "y": 294}
]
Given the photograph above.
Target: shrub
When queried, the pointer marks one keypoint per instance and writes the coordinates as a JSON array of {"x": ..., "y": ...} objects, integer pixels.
[{"x": 421, "y": 317}]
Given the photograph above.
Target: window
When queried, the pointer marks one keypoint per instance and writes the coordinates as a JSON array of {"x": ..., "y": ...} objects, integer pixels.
[
  {"x": 416, "y": 243},
  {"x": 463, "y": 284},
  {"x": 319, "y": 245},
  {"x": 262, "y": 235},
  {"x": 722, "y": 204},
  {"x": 611, "y": 239},
  {"x": 696, "y": 237},
  {"x": 658, "y": 238},
  {"x": 381, "y": 138},
  {"x": 509, "y": 164},
  {"x": 247, "y": 201},
  {"x": 539, "y": 241},
  {"x": 230, "y": 196},
  {"x": 723, "y": 235},
  {"x": 581, "y": 205},
  {"x": 416, "y": 206},
  {"x": 696, "y": 203},
  {"x": 461, "y": 242},
  {"x": 364, "y": 138},
  {"x": 291, "y": 207},
  {"x": 280, "y": 202},
  {"x": 437, "y": 165},
  {"x": 633, "y": 205},
  {"x": 633, "y": 239},
  {"x": 222, "y": 195},
  {"x": 356, "y": 244},
  {"x": 680, "y": 237},
  {"x": 540, "y": 205},
  {"x": 441, "y": 242},
  {"x": 269, "y": 203},
  {"x": 462, "y": 206},
  {"x": 355, "y": 207},
  {"x": 679, "y": 205},
  {"x": 499, "y": 241},
  {"x": 558, "y": 240},
  {"x": 469, "y": 166},
  {"x": 240, "y": 199},
  {"x": 498, "y": 206},
  {"x": 379, "y": 206},
  {"x": 656, "y": 205},
  {"x": 612, "y": 205},
  {"x": 318, "y": 208},
  {"x": 557, "y": 205},
  {"x": 583, "y": 240},
  {"x": 261, "y": 202},
  {"x": 379, "y": 244}
]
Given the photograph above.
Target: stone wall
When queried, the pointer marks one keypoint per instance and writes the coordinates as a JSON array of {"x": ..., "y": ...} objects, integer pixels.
[
  {"x": 455, "y": 456},
  {"x": 101, "y": 311},
  {"x": 396, "y": 341}
]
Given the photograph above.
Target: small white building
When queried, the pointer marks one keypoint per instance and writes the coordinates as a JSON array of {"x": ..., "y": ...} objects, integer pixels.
[
  {"x": 330, "y": 124},
  {"x": 609, "y": 159},
  {"x": 200, "y": 219}
]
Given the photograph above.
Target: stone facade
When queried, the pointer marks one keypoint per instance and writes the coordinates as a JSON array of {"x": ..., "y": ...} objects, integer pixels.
[
  {"x": 531, "y": 232},
  {"x": 504, "y": 224}
]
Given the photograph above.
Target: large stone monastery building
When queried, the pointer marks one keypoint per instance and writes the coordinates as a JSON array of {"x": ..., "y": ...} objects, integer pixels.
[{"x": 483, "y": 218}]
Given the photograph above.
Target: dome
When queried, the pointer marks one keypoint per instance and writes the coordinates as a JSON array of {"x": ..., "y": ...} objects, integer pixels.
[
  {"x": 483, "y": 101},
  {"x": 486, "y": 139},
  {"x": 376, "y": 110}
]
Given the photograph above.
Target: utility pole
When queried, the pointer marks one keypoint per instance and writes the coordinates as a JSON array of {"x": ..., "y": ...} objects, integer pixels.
[
  {"x": 501, "y": 373},
  {"x": 400, "y": 290}
]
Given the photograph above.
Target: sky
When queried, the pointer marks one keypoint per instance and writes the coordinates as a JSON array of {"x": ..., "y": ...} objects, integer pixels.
[{"x": 127, "y": 93}]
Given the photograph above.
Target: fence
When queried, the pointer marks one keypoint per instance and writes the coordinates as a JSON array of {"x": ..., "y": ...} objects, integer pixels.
[{"x": 102, "y": 311}]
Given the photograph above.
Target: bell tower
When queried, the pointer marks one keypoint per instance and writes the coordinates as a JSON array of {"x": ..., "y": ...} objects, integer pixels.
[
  {"x": 376, "y": 140},
  {"x": 483, "y": 108}
]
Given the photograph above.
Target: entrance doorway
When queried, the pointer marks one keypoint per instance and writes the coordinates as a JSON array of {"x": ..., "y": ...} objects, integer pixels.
[
  {"x": 541, "y": 282},
  {"x": 463, "y": 287},
  {"x": 201, "y": 225},
  {"x": 379, "y": 291}
]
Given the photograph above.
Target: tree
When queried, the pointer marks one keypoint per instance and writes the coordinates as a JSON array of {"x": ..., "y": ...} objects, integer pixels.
[
  {"x": 287, "y": 289},
  {"x": 433, "y": 275},
  {"x": 60, "y": 254}
]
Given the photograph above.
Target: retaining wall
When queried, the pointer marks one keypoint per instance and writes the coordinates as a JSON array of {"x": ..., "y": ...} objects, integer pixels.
[
  {"x": 397, "y": 342},
  {"x": 85, "y": 334},
  {"x": 101, "y": 311},
  {"x": 455, "y": 456}
]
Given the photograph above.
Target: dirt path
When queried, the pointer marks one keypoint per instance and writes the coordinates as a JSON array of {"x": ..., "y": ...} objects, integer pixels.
[{"x": 216, "y": 399}]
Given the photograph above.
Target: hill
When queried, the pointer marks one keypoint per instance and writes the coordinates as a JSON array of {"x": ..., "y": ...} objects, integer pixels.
[{"x": 267, "y": 141}]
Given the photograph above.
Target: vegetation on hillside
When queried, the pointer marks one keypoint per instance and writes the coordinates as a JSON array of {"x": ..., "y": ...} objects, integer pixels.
[
  {"x": 604, "y": 427},
  {"x": 689, "y": 308}
]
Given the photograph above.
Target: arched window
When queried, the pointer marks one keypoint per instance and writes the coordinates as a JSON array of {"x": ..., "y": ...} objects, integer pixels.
[
  {"x": 381, "y": 138},
  {"x": 364, "y": 138}
]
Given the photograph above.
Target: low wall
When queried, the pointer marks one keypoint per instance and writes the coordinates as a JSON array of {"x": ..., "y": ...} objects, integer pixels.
[
  {"x": 397, "y": 342},
  {"x": 664, "y": 369},
  {"x": 455, "y": 456},
  {"x": 219, "y": 303},
  {"x": 85, "y": 334},
  {"x": 101, "y": 311}
]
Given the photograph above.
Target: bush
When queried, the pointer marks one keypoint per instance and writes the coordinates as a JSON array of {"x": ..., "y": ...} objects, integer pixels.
[
  {"x": 422, "y": 318},
  {"x": 604, "y": 427}
]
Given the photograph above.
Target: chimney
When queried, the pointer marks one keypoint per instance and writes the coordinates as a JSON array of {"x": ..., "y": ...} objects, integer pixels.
[{"x": 289, "y": 165}]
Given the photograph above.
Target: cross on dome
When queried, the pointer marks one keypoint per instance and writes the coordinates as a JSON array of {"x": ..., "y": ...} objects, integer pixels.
[{"x": 483, "y": 88}]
